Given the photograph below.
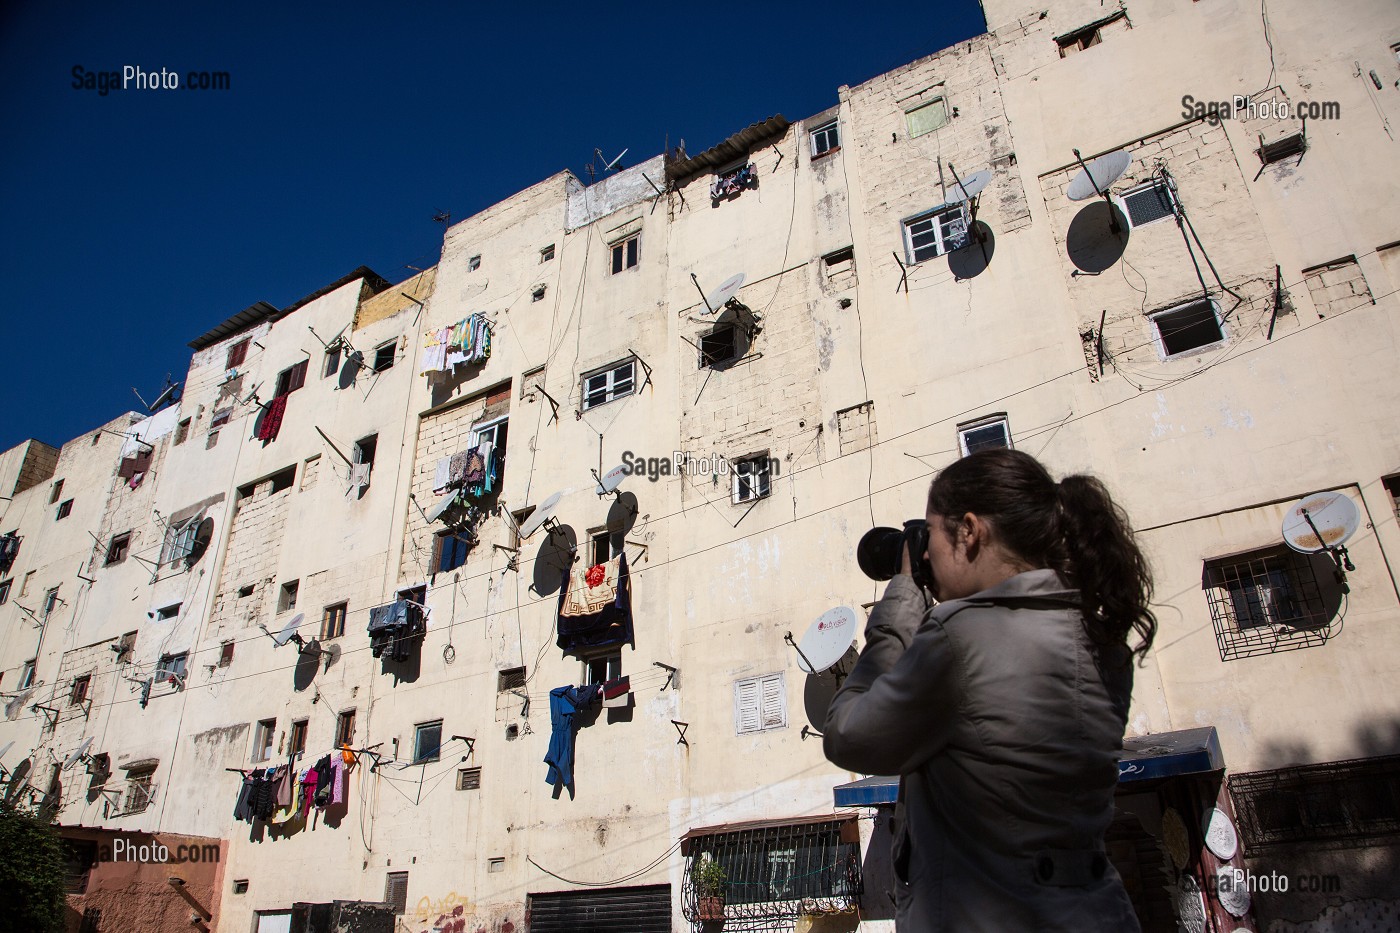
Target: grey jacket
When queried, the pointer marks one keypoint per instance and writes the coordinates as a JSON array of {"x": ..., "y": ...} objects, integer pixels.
[{"x": 1006, "y": 726}]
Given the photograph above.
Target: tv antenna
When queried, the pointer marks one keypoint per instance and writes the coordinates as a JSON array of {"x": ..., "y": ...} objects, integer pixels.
[
  {"x": 826, "y": 640},
  {"x": 544, "y": 515},
  {"x": 1096, "y": 177},
  {"x": 1322, "y": 522},
  {"x": 168, "y": 396},
  {"x": 721, "y": 296},
  {"x": 442, "y": 217}
]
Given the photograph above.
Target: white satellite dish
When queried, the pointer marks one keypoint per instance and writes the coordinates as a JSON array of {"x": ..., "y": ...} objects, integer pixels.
[
  {"x": 8, "y": 745},
  {"x": 541, "y": 515},
  {"x": 1094, "y": 179},
  {"x": 442, "y": 505},
  {"x": 970, "y": 187},
  {"x": 289, "y": 631},
  {"x": 720, "y": 297},
  {"x": 612, "y": 479},
  {"x": 827, "y": 640},
  {"x": 77, "y": 753},
  {"x": 1320, "y": 522}
]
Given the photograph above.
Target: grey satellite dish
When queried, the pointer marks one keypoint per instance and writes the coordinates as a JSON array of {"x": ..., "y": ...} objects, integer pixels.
[
  {"x": 332, "y": 654},
  {"x": 17, "y": 777},
  {"x": 611, "y": 480},
  {"x": 77, "y": 753},
  {"x": 442, "y": 505},
  {"x": 720, "y": 297},
  {"x": 289, "y": 631},
  {"x": 8, "y": 745},
  {"x": 827, "y": 640},
  {"x": 204, "y": 533},
  {"x": 1095, "y": 177},
  {"x": 1334, "y": 519},
  {"x": 541, "y": 515},
  {"x": 970, "y": 187}
]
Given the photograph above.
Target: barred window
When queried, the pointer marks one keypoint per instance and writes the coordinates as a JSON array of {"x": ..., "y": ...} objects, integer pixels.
[
  {"x": 777, "y": 869},
  {"x": 1267, "y": 601},
  {"x": 1336, "y": 801}
]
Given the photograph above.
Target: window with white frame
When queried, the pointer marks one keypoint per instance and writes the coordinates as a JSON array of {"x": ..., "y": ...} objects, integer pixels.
[
  {"x": 984, "y": 434},
  {"x": 625, "y": 253},
  {"x": 825, "y": 138},
  {"x": 752, "y": 479},
  {"x": 1188, "y": 328},
  {"x": 263, "y": 737},
  {"x": 926, "y": 118},
  {"x": 172, "y": 667},
  {"x": 935, "y": 232},
  {"x": 760, "y": 703},
  {"x": 605, "y": 385},
  {"x": 26, "y": 675},
  {"x": 179, "y": 540},
  {"x": 493, "y": 433},
  {"x": 602, "y": 668},
  {"x": 1148, "y": 203}
]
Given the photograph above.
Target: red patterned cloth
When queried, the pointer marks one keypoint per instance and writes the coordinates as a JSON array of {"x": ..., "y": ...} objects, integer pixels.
[
  {"x": 272, "y": 420},
  {"x": 596, "y": 574}
]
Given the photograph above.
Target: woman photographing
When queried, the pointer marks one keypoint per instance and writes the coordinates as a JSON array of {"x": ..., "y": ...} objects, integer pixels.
[{"x": 1002, "y": 707}]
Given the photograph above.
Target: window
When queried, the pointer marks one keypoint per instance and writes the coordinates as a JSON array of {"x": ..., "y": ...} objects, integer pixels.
[
  {"x": 1338, "y": 802},
  {"x": 495, "y": 865},
  {"x": 825, "y": 139},
  {"x": 396, "y": 882},
  {"x": 237, "y": 353},
  {"x": 166, "y": 613},
  {"x": 531, "y": 382},
  {"x": 450, "y": 550},
  {"x": 537, "y": 293},
  {"x": 50, "y": 601},
  {"x": 345, "y": 728},
  {"x": 245, "y": 591},
  {"x": 926, "y": 117},
  {"x": 182, "y": 432},
  {"x": 65, "y": 508},
  {"x": 751, "y": 479},
  {"x": 263, "y": 737},
  {"x": 427, "y": 741},
  {"x": 333, "y": 620},
  {"x": 1187, "y": 328},
  {"x": 172, "y": 668},
  {"x": 56, "y": 493},
  {"x": 384, "y": 356},
  {"x": 624, "y": 253},
  {"x": 760, "y": 703},
  {"x": 797, "y": 861},
  {"x": 24, "y": 585},
  {"x": 26, "y": 675},
  {"x": 606, "y": 546},
  {"x": 473, "y": 263},
  {"x": 1087, "y": 36},
  {"x": 984, "y": 434},
  {"x": 934, "y": 233},
  {"x": 603, "y": 668},
  {"x": 493, "y": 433},
  {"x": 839, "y": 263},
  {"x": 468, "y": 778},
  {"x": 117, "y": 549},
  {"x": 1148, "y": 203},
  {"x": 733, "y": 180},
  {"x": 226, "y": 654},
  {"x": 1390, "y": 483},
  {"x": 179, "y": 540},
  {"x": 609, "y": 384},
  {"x": 5, "y": 591},
  {"x": 365, "y": 449},
  {"x": 1294, "y": 144},
  {"x": 331, "y": 364},
  {"x": 287, "y": 596},
  {"x": 282, "y": 479},
  {"x": 140, "y": 788},
  {"x": 1265, "y": 601},
  {"x": 855, "y": 427},
  {"x": 124, "y": 646},
  {"x": 510, "y": 679},
  {"x": 719, "y": 346},
  {"x": 79, "y": 693},
  {"x": 297, "y": 742},
  {"x": 291, "y": 378},
  {"x": 547, "y": 253}
]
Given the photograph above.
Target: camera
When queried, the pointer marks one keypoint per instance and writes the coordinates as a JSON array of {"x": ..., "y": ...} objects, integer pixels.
[{"x": 879, "y": 552}]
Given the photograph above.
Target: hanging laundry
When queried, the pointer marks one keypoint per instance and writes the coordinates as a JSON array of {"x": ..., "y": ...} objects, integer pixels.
[
  {"x": 442, "y": 475},
  {"x": 617, "y": 693},
  {"x": 595, "y": 606},
  {"x": 130, "y": 466},
  {"x": 393, "y": 627},
  {"x": 734, "y": 182},
  {"x": 434, "y": 351},
  {"x": 564, "y": 704},
  {"x": 457, "y": 469},
  {"x": 9, "y": 550},
  {"x": 272, "y": 419}
]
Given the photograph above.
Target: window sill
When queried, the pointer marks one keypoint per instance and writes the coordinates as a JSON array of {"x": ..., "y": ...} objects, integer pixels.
[{"x": 823, "y": 155}]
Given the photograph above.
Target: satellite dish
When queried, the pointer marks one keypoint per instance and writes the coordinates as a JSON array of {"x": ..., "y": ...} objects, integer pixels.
[
  {"x": 165, "y": 397},
  {"x": 289, "y": 631},
  {"x": 827, "y": 640},
  {"x": 971, "y": 186},
  {"x": 8, "y": 745},
  {"x": 17, "y": 779},
  {"x": 541, "y": 515},
  {"x": 1093, "y": 180},
  {"x": 442, "y": 505},
  {"x": 77, "y": 753},
  {"x": 612, "y": 479},
  {"x": 720, "y": 297},
  {"x": 1334, "y": 519},
  {"x": 202, "y": 536}
]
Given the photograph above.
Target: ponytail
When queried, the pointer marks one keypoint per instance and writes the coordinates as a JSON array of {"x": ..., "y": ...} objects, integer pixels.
[{"x": 1073, "y": 527}]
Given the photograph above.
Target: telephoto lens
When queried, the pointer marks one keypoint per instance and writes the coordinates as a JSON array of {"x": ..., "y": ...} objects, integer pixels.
[{"x": 880, "y": 552}]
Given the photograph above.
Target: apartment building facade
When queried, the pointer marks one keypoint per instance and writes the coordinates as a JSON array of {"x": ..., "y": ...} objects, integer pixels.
[{"x": 300, "y": 561}]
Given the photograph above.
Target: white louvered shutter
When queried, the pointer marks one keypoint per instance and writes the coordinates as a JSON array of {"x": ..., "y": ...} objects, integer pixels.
[
  {"x": 774, "y": 702},
  {"x": 747, "y": 700}
]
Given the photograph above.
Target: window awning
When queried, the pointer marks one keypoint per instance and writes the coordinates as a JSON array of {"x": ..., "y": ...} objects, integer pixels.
[
  {"x": 1146, "y": 758},
  {"x": 846, "y": 823}
]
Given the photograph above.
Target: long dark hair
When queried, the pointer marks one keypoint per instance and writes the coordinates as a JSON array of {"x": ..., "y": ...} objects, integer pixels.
[{"x": 1072, "y": 526}]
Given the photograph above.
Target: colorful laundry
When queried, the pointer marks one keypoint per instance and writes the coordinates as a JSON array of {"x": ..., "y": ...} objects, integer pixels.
[
  {"x": 599, "y": 614},
  {"x": 564, "y": 705},
  {"x": 272, "y": 419}
]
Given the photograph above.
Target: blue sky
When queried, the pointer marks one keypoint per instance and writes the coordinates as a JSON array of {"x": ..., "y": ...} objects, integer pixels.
[{"x": 130, "y": 223}]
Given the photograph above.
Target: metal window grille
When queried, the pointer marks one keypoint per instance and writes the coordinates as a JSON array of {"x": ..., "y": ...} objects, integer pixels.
[
  {"x": 779, "y": 871},
  {"x": 140, "y": 790},
  {"x": 1148, "y": 203},
  {"x": 1340, "y": 802},
  {"x": 468, "y": 778},
  {"x": 510, "y": 679},
  {"x": 640, "y": 909},
  {"x": 1265, "y": 602},
  {"x": 396, "y": 891}
]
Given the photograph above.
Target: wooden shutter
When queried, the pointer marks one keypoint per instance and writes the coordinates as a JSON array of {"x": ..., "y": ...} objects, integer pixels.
[
  {"x": 747, "y": 702},
  {"x": 774, "y": 702}
]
